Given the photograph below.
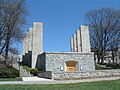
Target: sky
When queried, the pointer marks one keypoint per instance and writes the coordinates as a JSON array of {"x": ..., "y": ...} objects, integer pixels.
[{"x": 61, "y": 19}]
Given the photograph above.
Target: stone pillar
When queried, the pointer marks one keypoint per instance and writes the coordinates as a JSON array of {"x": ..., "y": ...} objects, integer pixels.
[
  {"x": 37, "y": 45},
  {"x": 85, "y": 41},
  {"x": 26, "y": 43},
  {"x": 74, "y": 43},
  {"x": 23, "y": 49},
  {"x": 29, "y": 54},
  {"x": 78, "y": 41},
  {"x": 23, "y": 52},
  {"x": 71, "y": 44},
  {"x": 26, "y": 49},
  {"x": 30, "y": 40}
]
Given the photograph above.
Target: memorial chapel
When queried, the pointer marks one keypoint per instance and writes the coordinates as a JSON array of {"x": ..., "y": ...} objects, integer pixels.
[{"x": 79, "y": 59}]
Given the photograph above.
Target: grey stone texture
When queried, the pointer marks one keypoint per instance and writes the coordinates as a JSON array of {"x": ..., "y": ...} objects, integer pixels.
[
  {"x": 78, "y": 41},
  {"x": 71, "y": 43},
  {"x": 74, "y": 43},
  {"x": 23, "y": 52},
  {"x": 30, "y": 34},
  {"x": 26, "y": 43},
  {"x": 85, "y": 41},
  {"x": 55, "y": 61},
  {"x": 37, "y": 45},
  {"x": 84, "y": 75},
  {"x": 81, "y": 41},
  {"x": 25, "y": 48}
]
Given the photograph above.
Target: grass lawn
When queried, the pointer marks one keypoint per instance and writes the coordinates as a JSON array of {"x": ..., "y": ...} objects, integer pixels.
[
  {"x": 11, "y": 79},
  {"x": 101, "y": 85}
]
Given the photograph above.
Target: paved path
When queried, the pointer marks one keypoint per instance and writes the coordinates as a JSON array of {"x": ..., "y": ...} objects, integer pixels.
[
  {"x": 35, "y": 79},
  {"x": 58, "y": 81}
]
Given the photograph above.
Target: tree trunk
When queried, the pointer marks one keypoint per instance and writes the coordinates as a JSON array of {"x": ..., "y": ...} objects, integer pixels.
[
  {"x": 95, "y": 59},
  {"x": 113, "y": 56},
  {"x": 102, "y": 60},
  {"x": 98, "y": 57},
  {"x": 6, "y": 53},
  {"x": 7, "y": 46}
]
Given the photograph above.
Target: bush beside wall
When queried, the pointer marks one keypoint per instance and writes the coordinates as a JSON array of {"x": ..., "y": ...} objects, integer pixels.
[
  {"x": 34, "y": 71},
  {"x": 113, "y": 65},
  {"x": 8, "y": 72}
]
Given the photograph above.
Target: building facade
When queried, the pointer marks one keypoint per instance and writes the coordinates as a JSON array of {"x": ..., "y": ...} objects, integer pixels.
[{"x": 66, "y": 61}]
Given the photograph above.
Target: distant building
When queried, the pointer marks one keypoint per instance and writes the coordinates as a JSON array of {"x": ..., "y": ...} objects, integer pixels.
[{"x": 112, "y": 56}]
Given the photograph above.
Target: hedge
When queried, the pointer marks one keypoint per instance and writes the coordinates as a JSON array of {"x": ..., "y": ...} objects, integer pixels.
[
  {"x": 113, "y": 65},
  {"x": 8, "y": 72}
]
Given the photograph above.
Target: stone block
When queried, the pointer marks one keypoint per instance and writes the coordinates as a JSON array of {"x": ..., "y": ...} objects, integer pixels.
[{"x": 85, "y": 41}]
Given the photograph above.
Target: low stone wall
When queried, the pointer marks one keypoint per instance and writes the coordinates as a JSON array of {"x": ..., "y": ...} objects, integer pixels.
[
  {"x": 83, "y": 75},
  {"x": 47, "y": 74}
]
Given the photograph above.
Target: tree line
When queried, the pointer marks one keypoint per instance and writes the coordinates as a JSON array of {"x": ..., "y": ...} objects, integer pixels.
[{"x": 104, "y": 25}]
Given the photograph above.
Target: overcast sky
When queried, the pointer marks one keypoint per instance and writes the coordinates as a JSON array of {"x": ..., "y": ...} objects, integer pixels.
[{"x": 61, "y": 19}]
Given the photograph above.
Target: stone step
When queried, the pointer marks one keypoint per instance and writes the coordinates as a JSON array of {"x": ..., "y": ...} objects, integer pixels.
[{"x": 23, "y": 72}]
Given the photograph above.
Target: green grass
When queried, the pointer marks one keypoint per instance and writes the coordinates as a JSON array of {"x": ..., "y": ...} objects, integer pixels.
[
  {"x": 101, "y": 85},
  {"x": 102, "y": 68},
  {"x": 11, "y": 79}
]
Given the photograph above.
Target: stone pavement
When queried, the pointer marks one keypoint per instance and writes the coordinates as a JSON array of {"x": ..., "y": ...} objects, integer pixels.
[{"x": 44, "y": 81}]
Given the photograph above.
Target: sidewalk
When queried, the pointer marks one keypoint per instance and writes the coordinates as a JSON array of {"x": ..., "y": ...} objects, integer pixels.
[
  {"x": 35, "y": 79},
  {"x": 49, "y": 81}
]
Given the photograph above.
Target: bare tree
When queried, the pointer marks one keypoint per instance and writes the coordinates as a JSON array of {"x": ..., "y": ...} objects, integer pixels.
[
  {"x": 104, "y": 26},
  {"x": 12, "y": 18}
]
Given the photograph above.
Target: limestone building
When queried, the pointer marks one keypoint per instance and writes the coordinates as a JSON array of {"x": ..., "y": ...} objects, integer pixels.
[{"x": 80, "y": 59}]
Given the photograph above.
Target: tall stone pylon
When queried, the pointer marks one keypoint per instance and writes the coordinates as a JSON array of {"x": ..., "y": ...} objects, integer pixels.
[
  {"x": 71, "y": 42},
  {"x": 85, "y": 41},
  {"x": 37, "y": 43},
  {"x": 23, "y": 49},
  {"x": 30, "y": 37},
  {"x": 81, "y": 41},
  {"x": 26, "y": 43},
  {"x": 74, "y": 43},
  {"x": 78, "y": 41},
  {"x": 33, "y": 44}
]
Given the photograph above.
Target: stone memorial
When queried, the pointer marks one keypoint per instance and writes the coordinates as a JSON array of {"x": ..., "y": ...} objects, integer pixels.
[
  {"x": 80, "y": 59},
  {"x": 81, "y": 42},
  {"x": 33, "y": 44}
]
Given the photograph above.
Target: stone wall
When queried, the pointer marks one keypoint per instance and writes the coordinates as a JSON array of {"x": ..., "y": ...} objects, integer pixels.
[
  {"x": 55, "y": 61},
  {"x": 84, "y": 75},
  {"x": 47, "y": 74}
]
